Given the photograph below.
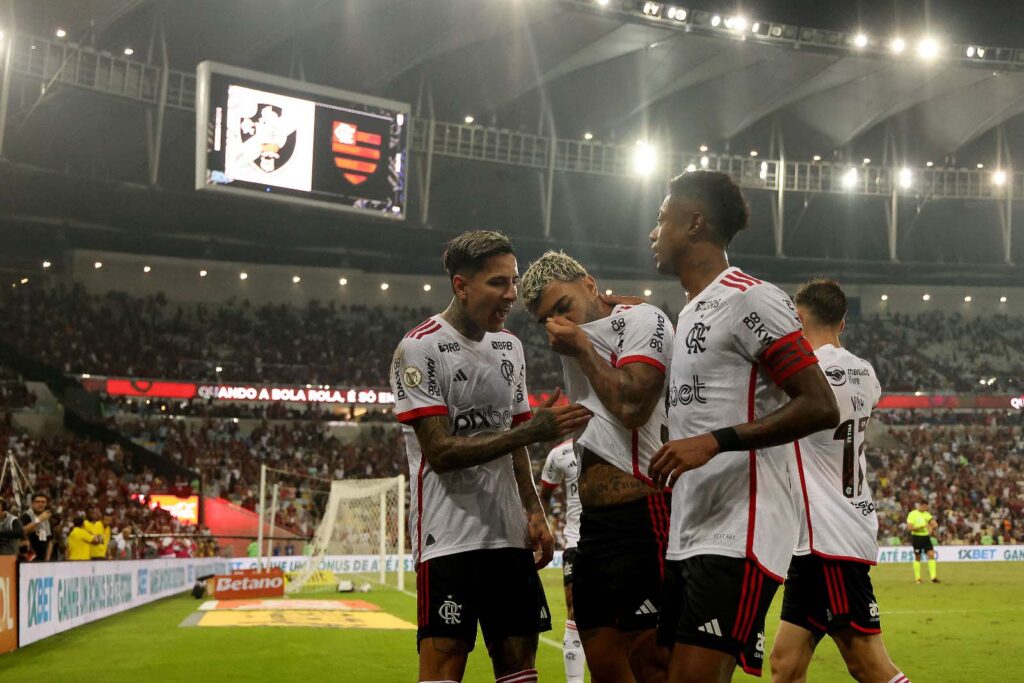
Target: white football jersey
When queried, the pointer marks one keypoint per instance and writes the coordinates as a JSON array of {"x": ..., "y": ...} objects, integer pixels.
[
  {"x": 839, "y": 520},
  {"x": 735, "y": 344},
  {"x": 631, "y": 334},
  {"x": 481, "y": 387},
  {"x": 561, "y": 467}
]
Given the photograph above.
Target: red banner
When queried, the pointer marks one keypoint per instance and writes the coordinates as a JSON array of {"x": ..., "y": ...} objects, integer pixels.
[
  {"x": 249, "y": 583},
  {"x": 150, "y": 389},
  {"x": 8, "y": 604}
]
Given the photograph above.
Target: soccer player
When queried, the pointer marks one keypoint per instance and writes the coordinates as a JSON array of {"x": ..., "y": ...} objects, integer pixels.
[
  {"x": 460, "y": 390},
  {"x": 560, "y": 468},
  {"x": 744, "y": 385},
  {"x": 921, "y": 525},
  {"x": 614, "y": 360},
  {"x": 828, "y": 589}
]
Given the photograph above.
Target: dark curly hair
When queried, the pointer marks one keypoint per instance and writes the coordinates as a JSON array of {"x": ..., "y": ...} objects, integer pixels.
[{"x": 726, "y": 210}]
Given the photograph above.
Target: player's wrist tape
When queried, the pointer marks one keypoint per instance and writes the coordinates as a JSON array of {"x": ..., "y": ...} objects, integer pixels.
[{"x": 728, "y": 439}]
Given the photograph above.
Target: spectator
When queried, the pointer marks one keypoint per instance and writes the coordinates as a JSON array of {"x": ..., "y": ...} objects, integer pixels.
[
  {"x": 37, "y": 527},
  {"x": 11, "y": 533},
  {"x": 81, "y": 542}
]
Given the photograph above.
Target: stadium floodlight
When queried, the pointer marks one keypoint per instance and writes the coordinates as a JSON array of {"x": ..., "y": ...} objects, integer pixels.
[
  {"x": 860, "y": 40},
  {"x": 753, "y": 152},
  {"x": 603, "y": 3},
  {"x": 703, "y": 148},
  {"x": 929, "y": 164},
  {"x": 469, "y": 119},
  {"x": 243, "y": 276},
  {"x": 46, "y": 264},
  {"x": 648, "y": 292},
  {"x": 898, "y": 45},
  {"x": 736, "y": 23},
  {"x": 816, "y": 157},
  {"x": 219, "y": 369},
  {"x": 885, "y": 297},
  {"x": 384, "y": 286},
  {"x": 128, "y": 52},
  {"x": 967, "y": 299},
  {"x": 653, "y": 9},
  {"x": 716, "y": 21},
  {"x": 906, "y": 178},
  {"x": 24, "y": 280},
  {"x": 98, "y": 265},
  {"x": 202, "y": 273},
  {"x": 927, "y": 49},
  {"x": 296, "y": 279},
  {"x": 867, "y": 161},
  {"x": 677, "y": 13},
  {"x": 588, "y": 136},
  {"x": 1002, "y": 299},
  {"x": 926, "y": 297},
  {"x": 690, "y": 168},
  {"x": 343, "y": 281},
  {"x": 607, "y": 292},
  {"x": 704, "y": 161},
  {"x": 999, "y": 177},
  {"x": 971, "y": 50},
  {"x": 981, "y": 166},
  {"x": 763, "y": 174},
  {"x": 645, "y": 159},
  {"x": 60, "y": 33},
  {"x": 146, "y": 269},
  {"x": 427, "y": 287},
  {"x": 850, "y": 178}
]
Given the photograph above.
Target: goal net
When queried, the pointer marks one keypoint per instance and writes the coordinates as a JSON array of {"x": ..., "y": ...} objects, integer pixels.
[{"x": 364, "y": 519}]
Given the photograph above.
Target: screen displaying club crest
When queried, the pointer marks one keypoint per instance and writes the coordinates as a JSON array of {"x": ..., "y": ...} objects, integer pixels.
[{"x": 275, "y": 138}]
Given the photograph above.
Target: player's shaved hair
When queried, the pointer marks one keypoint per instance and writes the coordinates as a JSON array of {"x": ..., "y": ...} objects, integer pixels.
[
  {"x": 726, "y": 210},
  {"x": 552, "y": 266},
  {"x": 823, "y": 298},
  {"x": 466, "y": 254}
]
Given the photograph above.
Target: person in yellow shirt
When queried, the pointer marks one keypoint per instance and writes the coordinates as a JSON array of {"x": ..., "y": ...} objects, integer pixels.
[
  {"x": 921, "y": 525},
  {"x": 81, "y": 542},
  {"x": 94, "y": 525}
]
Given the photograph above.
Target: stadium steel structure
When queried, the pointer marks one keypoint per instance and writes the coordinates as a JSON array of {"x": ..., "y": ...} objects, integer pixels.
[{"x": 795, "y": 90}]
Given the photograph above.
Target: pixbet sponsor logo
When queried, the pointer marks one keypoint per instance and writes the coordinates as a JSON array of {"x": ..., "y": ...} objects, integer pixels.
[{"x": 475, "y": 420}]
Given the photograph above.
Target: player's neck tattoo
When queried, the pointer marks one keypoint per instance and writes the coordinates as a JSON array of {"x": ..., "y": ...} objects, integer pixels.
[{"x": 457, "y": 317}]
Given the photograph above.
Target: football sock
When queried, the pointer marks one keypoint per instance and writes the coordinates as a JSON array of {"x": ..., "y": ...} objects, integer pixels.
[
  {"x": 917, "y": 570},
  {"x": 931, "y": 569},
  {"x": 899, "y": 678},
  {"x": 572, "y": 650},
  {"x": 524, "y": 676}
]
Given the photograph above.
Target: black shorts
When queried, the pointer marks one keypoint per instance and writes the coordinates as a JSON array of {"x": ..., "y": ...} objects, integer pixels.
[
  {"x": 718, "y": 603},
  {"x": 499, "y": 588},
  {"x": 921, "y": 544},
  {"x": 620, "y": 564},
  {"x": 826, "y": 596},
  {"x": 568, "y": 565}
]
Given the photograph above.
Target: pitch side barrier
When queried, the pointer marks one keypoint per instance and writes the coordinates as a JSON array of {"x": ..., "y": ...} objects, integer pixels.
[
  {"x": 58, "y": 596},
  {"x": 358, "y": 564}
]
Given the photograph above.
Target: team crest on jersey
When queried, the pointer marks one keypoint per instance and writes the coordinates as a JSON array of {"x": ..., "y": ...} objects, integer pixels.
[
  {"x": 450, "y": 611},
  {"x": 508, "y": 370},
  {"x": 836, "y": 375},
  {"x": 412, "y": 377},
  {"x": 696, "y": 338}
]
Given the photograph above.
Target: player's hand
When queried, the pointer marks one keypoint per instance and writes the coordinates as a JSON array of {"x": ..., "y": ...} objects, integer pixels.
[
  {"x": 541, "y": 540},
  {"x": 551, "y": 423},
  {"x": 45, "y": 515},
  {"x": 620, "y": 300},
  {"x": 679, "y": 456},
  {"x": 565, "y": 337}
]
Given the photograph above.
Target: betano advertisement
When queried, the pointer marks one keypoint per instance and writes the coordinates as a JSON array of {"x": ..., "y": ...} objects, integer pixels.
[{"x": 57, "y": 596}]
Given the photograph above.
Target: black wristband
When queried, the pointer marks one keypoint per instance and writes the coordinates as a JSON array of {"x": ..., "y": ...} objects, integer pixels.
[{"x": 728, "y": 439}]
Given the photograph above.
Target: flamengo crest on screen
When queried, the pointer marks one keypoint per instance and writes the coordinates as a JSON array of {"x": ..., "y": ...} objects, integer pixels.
[{"x": 356, "y": 152}]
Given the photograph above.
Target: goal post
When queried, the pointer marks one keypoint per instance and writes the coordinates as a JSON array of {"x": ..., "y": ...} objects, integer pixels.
[{"x": 364, "y": 518}]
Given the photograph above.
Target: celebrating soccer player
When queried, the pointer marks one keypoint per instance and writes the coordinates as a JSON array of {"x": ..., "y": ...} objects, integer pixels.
[
  {"x": 828, "y": 589},
  {"x": 460, "y": 390},
  {"x": 561, "y": 468},
  {"x": 744, "y": 385},
  {"x": 614, "y": 359}
]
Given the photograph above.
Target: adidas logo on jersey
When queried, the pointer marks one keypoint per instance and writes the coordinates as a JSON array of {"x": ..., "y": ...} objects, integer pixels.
[
  {"x": 460, "y": 376},
  {"x": 711, "y": 628},
  {"x": 646, "y": 608}
]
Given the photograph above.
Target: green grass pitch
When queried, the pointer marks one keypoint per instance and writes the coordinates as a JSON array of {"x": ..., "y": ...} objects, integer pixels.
[{"x": 968, "y": 628}]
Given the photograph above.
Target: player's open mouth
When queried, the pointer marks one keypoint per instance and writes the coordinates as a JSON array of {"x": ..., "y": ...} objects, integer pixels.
[{"x": 502, "y": 313}]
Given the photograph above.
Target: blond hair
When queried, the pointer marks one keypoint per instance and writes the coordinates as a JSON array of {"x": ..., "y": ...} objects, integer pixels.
[{"x": 553, "y": 265}]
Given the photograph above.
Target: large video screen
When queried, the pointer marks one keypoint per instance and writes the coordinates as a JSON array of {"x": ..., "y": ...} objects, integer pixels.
[{"x": 277, "y": 138}]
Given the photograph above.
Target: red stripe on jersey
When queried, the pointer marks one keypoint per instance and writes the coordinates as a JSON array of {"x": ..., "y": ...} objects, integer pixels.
[
  {"x": 548, "y": 485},
  {"x": 843, "y": 558},
  {"x": 657, "y": 529},
  {"x": 428, "y": 331},
  {"x": 750, "y": 604},
  {"x": 738, "y": 279},
  {"x": 641, "y": 359},
  {"x": 734, "y": 285},
  {"x": 744, "y": 592},
  {"x": 752, "y": 507},
  {"x": 787, "y": 356},
  {"x": 419, "y": 508},
  {"x": 416, "y": 413},
  {"x": 874, "y": 631},
  {"x": 841, "y": 585},
  {"x": 755, "y": 606},
  {"x": 521, "y": 418},
  {"x": 803, "y": 489},
  {"x": 832, "y": 602},
  {"x": 741, "y": 276},
  {"x": 419, "y": 327},
  {"x": 635, "y": 454}
]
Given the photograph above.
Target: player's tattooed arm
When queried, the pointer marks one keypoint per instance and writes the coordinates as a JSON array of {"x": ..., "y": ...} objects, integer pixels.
[
  {"x": 631, "y": 392},
  {"x": 541, "y": 540},
  {"x": 812, "y": 407},
  {"x": 446, "y": 451}
]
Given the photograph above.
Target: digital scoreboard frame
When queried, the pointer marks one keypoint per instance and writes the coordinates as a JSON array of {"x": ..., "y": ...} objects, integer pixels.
[{"x": 259, "y": 135}]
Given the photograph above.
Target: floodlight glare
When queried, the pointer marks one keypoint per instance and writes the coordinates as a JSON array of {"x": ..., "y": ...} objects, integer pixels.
[
  {"x": 906, "y": 178},
  {"x": 850, "y": 178},
  {"x": 860, "y": 40},
  {"x": 898, "y": 45},
  {"x": 645, "y": 159},
  {"x": 927, "y": 48},
  {"x": 999, "y": 177}
]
